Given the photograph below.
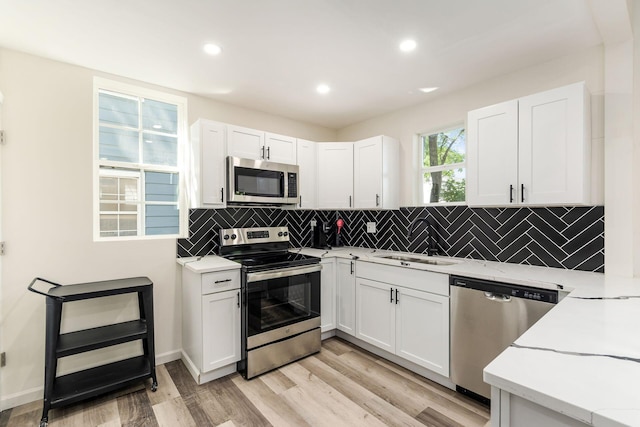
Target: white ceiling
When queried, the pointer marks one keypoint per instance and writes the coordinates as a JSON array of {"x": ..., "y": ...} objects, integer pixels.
[{"x": 277, "y": 51}]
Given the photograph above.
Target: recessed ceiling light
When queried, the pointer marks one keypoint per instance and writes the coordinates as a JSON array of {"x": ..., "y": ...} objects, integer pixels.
[
  {"x": 428, "y": 89},
  {"x": 212, "y": 49},
  {"x": 408, "y": 45},
  {"x": 323, "y": 88}
]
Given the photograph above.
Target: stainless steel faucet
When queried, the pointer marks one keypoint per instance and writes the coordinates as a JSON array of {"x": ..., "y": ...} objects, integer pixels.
[{"x": 432, "y": 248}]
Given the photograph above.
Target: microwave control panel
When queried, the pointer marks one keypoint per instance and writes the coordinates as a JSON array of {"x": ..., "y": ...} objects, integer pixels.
[{"x": 293, "y": 184}]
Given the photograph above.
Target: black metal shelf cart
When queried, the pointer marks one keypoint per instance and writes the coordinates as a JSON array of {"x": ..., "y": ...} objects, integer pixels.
[{"x": 66, "y": 389}]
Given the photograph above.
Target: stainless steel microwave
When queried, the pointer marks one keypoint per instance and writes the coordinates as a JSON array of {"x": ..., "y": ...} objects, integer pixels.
[{"x": 261, "y": 182}]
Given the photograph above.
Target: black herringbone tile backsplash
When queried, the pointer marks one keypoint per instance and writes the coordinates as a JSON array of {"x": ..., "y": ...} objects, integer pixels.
[{"x": 562, "y": 237}]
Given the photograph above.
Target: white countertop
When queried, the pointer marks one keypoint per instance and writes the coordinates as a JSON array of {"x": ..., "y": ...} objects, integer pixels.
[{"x": 582, "y": 359}]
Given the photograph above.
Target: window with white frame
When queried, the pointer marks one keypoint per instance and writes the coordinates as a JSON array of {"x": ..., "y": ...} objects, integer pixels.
[
  {"x": 138, "y": 135},
  {"x": 442, "y": 174}
]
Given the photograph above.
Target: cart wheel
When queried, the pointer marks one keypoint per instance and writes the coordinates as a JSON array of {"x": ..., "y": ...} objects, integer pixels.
[{"x": 154, "y": 387}]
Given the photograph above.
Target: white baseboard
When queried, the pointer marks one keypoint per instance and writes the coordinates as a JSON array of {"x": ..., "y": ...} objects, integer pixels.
[{"x": 37, "y": 393}]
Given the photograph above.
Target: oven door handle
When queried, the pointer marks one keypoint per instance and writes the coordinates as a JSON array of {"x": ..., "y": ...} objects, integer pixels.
[{"x": 283, "y": 272}]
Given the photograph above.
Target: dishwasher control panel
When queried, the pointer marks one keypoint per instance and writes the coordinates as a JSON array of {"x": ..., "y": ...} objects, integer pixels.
[{"x": 506, "y": 289}]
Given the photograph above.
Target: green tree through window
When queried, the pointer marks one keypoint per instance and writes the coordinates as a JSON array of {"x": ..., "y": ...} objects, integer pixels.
[{"x": 443, "y": 167}]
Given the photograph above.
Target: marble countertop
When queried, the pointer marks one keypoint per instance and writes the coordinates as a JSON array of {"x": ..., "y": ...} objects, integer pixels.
[{"x": 582, "y": 359}]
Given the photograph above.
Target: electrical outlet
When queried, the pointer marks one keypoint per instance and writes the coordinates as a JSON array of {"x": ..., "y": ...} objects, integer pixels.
[
  {"x": 313, "y": 223},
  {"x": 371, "y": 227}
]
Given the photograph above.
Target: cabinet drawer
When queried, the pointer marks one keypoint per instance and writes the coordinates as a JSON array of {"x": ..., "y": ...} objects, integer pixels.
[
  {"x": 420, "y": 280},
  {"x": 220, "y": 281}
]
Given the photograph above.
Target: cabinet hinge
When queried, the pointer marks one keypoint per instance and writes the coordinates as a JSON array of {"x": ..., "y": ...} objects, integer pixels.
[
  {"x": 2, "y": 140},
  {"x": 1, "y": 248}
]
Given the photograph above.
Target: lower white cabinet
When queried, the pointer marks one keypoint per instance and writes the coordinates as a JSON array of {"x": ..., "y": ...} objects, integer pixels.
[
  {"x": 210, "y": 323},
  {"x": 328, "y": 295},
  {"x": 346, "y": 295},
  {"x": 405, "y": 321}
]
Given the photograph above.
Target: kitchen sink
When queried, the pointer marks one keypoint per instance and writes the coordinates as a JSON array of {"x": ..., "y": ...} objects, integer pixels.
[{"x": 405, "y": 258}]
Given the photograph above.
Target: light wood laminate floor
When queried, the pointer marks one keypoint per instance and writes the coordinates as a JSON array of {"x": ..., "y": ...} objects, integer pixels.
[{"x": 342, "y": 385}]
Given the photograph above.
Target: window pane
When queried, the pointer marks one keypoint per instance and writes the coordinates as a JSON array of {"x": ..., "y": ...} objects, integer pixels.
[
  {"x": 118, "y": 110},
  {"x": 160, "y": 149},
  {"x": 108, "y": 207},
  {"x": 128, "y": 224},
  {"x": 445, "y": 186},
  {"x": 444, "y": 148},
  {"x": 161, "y": 187},
  {"x": 108, "y": 188},
  {"x": 162, "y": 219},
  {"x": 129, "y": 189},
  {"x": 118, "y": 145},
  {"x": 159, "y": 116},
  {"x": 109, "y": 223}
]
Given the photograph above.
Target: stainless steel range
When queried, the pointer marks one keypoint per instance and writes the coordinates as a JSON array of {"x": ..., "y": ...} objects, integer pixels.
[{"x": 280, "y": 298}]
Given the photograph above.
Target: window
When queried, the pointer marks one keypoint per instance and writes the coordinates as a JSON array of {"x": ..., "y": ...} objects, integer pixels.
[
  {"x": 442, "y": 172},
  {"x": 138, "y": 134}
]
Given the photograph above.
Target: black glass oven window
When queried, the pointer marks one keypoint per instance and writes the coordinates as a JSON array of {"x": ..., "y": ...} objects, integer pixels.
[
  {"x": 280, "y": 302},
  {"x": 259, "y": 182}
]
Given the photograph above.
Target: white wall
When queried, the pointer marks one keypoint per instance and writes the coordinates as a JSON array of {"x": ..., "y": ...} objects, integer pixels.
[
  {"x": 47, "y": 216},
  {"x": 452, "y": 108}
]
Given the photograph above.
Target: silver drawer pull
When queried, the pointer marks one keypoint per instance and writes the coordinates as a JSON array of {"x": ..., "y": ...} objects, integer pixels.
[{"x": 222, "y": 281}]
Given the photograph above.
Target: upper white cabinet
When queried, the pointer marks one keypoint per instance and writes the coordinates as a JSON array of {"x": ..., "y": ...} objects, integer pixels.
[
  {"x": 206, "y": 160},
  {"x": 335, "y": 175},
  {"x": 376, "y": 174},
  {"x": 307, "y": 153},
  {"x": 280, "y": 148},
  {"x": 258, "y": 145},
  {"x": 535, "y": 150}
]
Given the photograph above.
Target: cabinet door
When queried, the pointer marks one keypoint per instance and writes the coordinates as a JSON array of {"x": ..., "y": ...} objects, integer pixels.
[
  {"x": 346, "y": 290},
  {"x": 244, "y": 142},
  {"x": 367, "y": 173},
  {"x": 422, "y": 329},
  {"x": 280, "y": 148},
  {"x": 328, "y": 295},
  {"x": 306, "y": 153},
  {"x": 335, "y": 175},
  {"x": 206, "y": 184},
  {"x": 221, "y": 329},
  {"x": 375, "y": 310},
  {"x": 492, "y": 155},
  {"x": 555, "y": 147}
]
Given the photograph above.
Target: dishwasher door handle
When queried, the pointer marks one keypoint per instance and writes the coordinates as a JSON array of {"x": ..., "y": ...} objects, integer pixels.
[{"x": 497, "y": 297}]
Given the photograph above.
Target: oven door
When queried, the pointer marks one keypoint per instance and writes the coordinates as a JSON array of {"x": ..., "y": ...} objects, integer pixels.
[{"x": 281, "y": 303}]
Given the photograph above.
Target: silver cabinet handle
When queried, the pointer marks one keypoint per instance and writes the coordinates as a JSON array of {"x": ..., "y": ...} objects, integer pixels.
[
  {"x": 262, "y": 152},
  {"x": 377, "y": 200},
  {"x": 349, "y": 201}
]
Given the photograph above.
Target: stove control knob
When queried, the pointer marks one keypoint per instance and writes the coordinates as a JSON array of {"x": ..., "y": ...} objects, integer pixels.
[
  {"x": 233, "y": 236},
  {"x": 280, "y": 234},
  {"x": 286, "y": 233},
  {"x": 226, "y": 237}
]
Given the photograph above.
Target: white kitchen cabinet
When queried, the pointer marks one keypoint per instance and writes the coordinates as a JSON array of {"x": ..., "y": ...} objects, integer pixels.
[
  {"x": 245, "y": 143},
  {"x": 206, "y": 181},
  {"x": 346, "y": 295},
  {"x": 328, "y": 295},
  {"x": 258, "y": 145},
  {"x": 210, "y": 323},
  {"x": 532, "y": 151},
  {"x": 405, "y": 312},
  {"x": 280, "y": 148},
  {"x": 335, "y": 175},
  {"x": 376, "y": 173},
  {"x": 307, "y": 156},
  {"x": 221, "y": 329}
]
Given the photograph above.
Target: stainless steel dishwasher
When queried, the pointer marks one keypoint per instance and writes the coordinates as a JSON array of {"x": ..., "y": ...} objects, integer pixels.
[{"x": 487, "y": 317}]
